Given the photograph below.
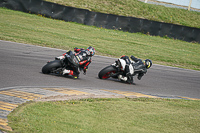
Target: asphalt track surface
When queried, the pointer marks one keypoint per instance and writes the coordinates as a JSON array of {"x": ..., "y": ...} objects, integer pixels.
[
  {"x": 21, "y": 65},
  {"x": 21, "y": 79}
]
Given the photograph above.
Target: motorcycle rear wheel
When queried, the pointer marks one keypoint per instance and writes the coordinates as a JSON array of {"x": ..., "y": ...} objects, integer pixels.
[
  {"x": 106, "y": 72},
  {"x": 49, "y": 67}
]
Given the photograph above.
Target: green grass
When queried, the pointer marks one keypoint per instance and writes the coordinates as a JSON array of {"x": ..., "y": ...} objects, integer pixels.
[
  {"x": 135, "y": 8},
  {"x": 107, "y": 116},
  {"x": 33, "y": 29},
  {"x": 102, "y": 115}
]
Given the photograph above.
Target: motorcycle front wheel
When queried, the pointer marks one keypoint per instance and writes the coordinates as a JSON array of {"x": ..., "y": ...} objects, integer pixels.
[
  {"x": 107, "y": 72},
  {"x": 49, "y": 67}
]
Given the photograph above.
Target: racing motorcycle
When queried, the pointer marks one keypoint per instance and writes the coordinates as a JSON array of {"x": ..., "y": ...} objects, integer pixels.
[
  {"x": 59, "y": 64},
  {"x": 117, "y": 70}
]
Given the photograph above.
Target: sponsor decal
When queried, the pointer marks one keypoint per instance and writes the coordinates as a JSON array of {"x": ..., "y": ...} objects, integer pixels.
[{"x": 78, "y": 58}]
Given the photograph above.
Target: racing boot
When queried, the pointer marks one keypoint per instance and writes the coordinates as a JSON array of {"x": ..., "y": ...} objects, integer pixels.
[
  {"x": 65, "y": 71},
  {"x": 120, "y": 77},
  {"x": 73, "y": 74},
  {"x": 70, "y": 73}
]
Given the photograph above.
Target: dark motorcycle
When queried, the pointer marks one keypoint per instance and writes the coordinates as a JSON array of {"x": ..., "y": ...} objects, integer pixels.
[{"x": 59, "y": 64}]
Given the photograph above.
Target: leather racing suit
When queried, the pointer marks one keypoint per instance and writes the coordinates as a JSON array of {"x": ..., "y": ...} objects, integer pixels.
[
  {"x": 138, "y": 66},
  {"x": 80, "y": 60}
]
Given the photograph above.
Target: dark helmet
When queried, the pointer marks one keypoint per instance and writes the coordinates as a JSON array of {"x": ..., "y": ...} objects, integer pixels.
[
  {"x": 91, "y": 50},
  {"x": 147, "y": 63}
]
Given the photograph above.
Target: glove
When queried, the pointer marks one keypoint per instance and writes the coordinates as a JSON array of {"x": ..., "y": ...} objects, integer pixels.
[
  {"x": 140, "y": 76},
  {"x": 84, "y": 71}
]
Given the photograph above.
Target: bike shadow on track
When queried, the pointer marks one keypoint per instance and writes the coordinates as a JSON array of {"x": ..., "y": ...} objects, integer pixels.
[
  {"x": 59, "y": 75},
  {"x": 116, "y": 80},
  {"x": 71, "y": 77}
]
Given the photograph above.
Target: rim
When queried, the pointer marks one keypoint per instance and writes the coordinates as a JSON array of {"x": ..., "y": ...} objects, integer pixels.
[{"x": 107, "y": 75}]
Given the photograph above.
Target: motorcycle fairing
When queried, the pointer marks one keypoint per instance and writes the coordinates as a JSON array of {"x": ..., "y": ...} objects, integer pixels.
[{"x": 122, "y": 64}]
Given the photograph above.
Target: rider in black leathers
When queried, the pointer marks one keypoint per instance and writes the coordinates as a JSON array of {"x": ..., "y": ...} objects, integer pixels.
[
  {"x": 140, "y": 67},
  {"x": 80, "y": 60}
]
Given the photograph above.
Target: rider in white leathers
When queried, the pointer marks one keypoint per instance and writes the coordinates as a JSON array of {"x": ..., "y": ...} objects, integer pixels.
[{"x": 140, "y": 67}]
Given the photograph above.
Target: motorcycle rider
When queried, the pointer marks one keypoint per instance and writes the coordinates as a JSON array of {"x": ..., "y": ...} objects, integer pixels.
[
  {"x": 80, "y": 60},
  {"x": 140, "y": 68}
]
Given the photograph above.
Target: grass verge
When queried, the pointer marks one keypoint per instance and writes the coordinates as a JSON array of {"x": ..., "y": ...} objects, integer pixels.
[
  {"x": 135, "y": 8},
  {"x": 107, "y": 115},
  {"x": 33, "y": 29}
]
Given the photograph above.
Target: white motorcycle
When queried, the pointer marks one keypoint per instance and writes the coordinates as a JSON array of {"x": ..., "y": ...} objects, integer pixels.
[{"x": 117, "y": 70}]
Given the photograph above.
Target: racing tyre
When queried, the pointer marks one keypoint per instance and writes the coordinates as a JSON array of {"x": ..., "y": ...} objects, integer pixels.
[
  {"x": 107, "y": 72},
  {"x": 49, "y": 67}
]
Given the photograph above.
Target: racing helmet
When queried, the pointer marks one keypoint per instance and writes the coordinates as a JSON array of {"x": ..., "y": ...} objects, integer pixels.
[
  {"x": 147, "y": 63},
  {"x": 91, "y": 50}
]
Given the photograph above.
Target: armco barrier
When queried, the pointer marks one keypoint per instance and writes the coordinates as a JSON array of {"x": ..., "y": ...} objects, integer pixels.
[{"x": 109, "y": 21}]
